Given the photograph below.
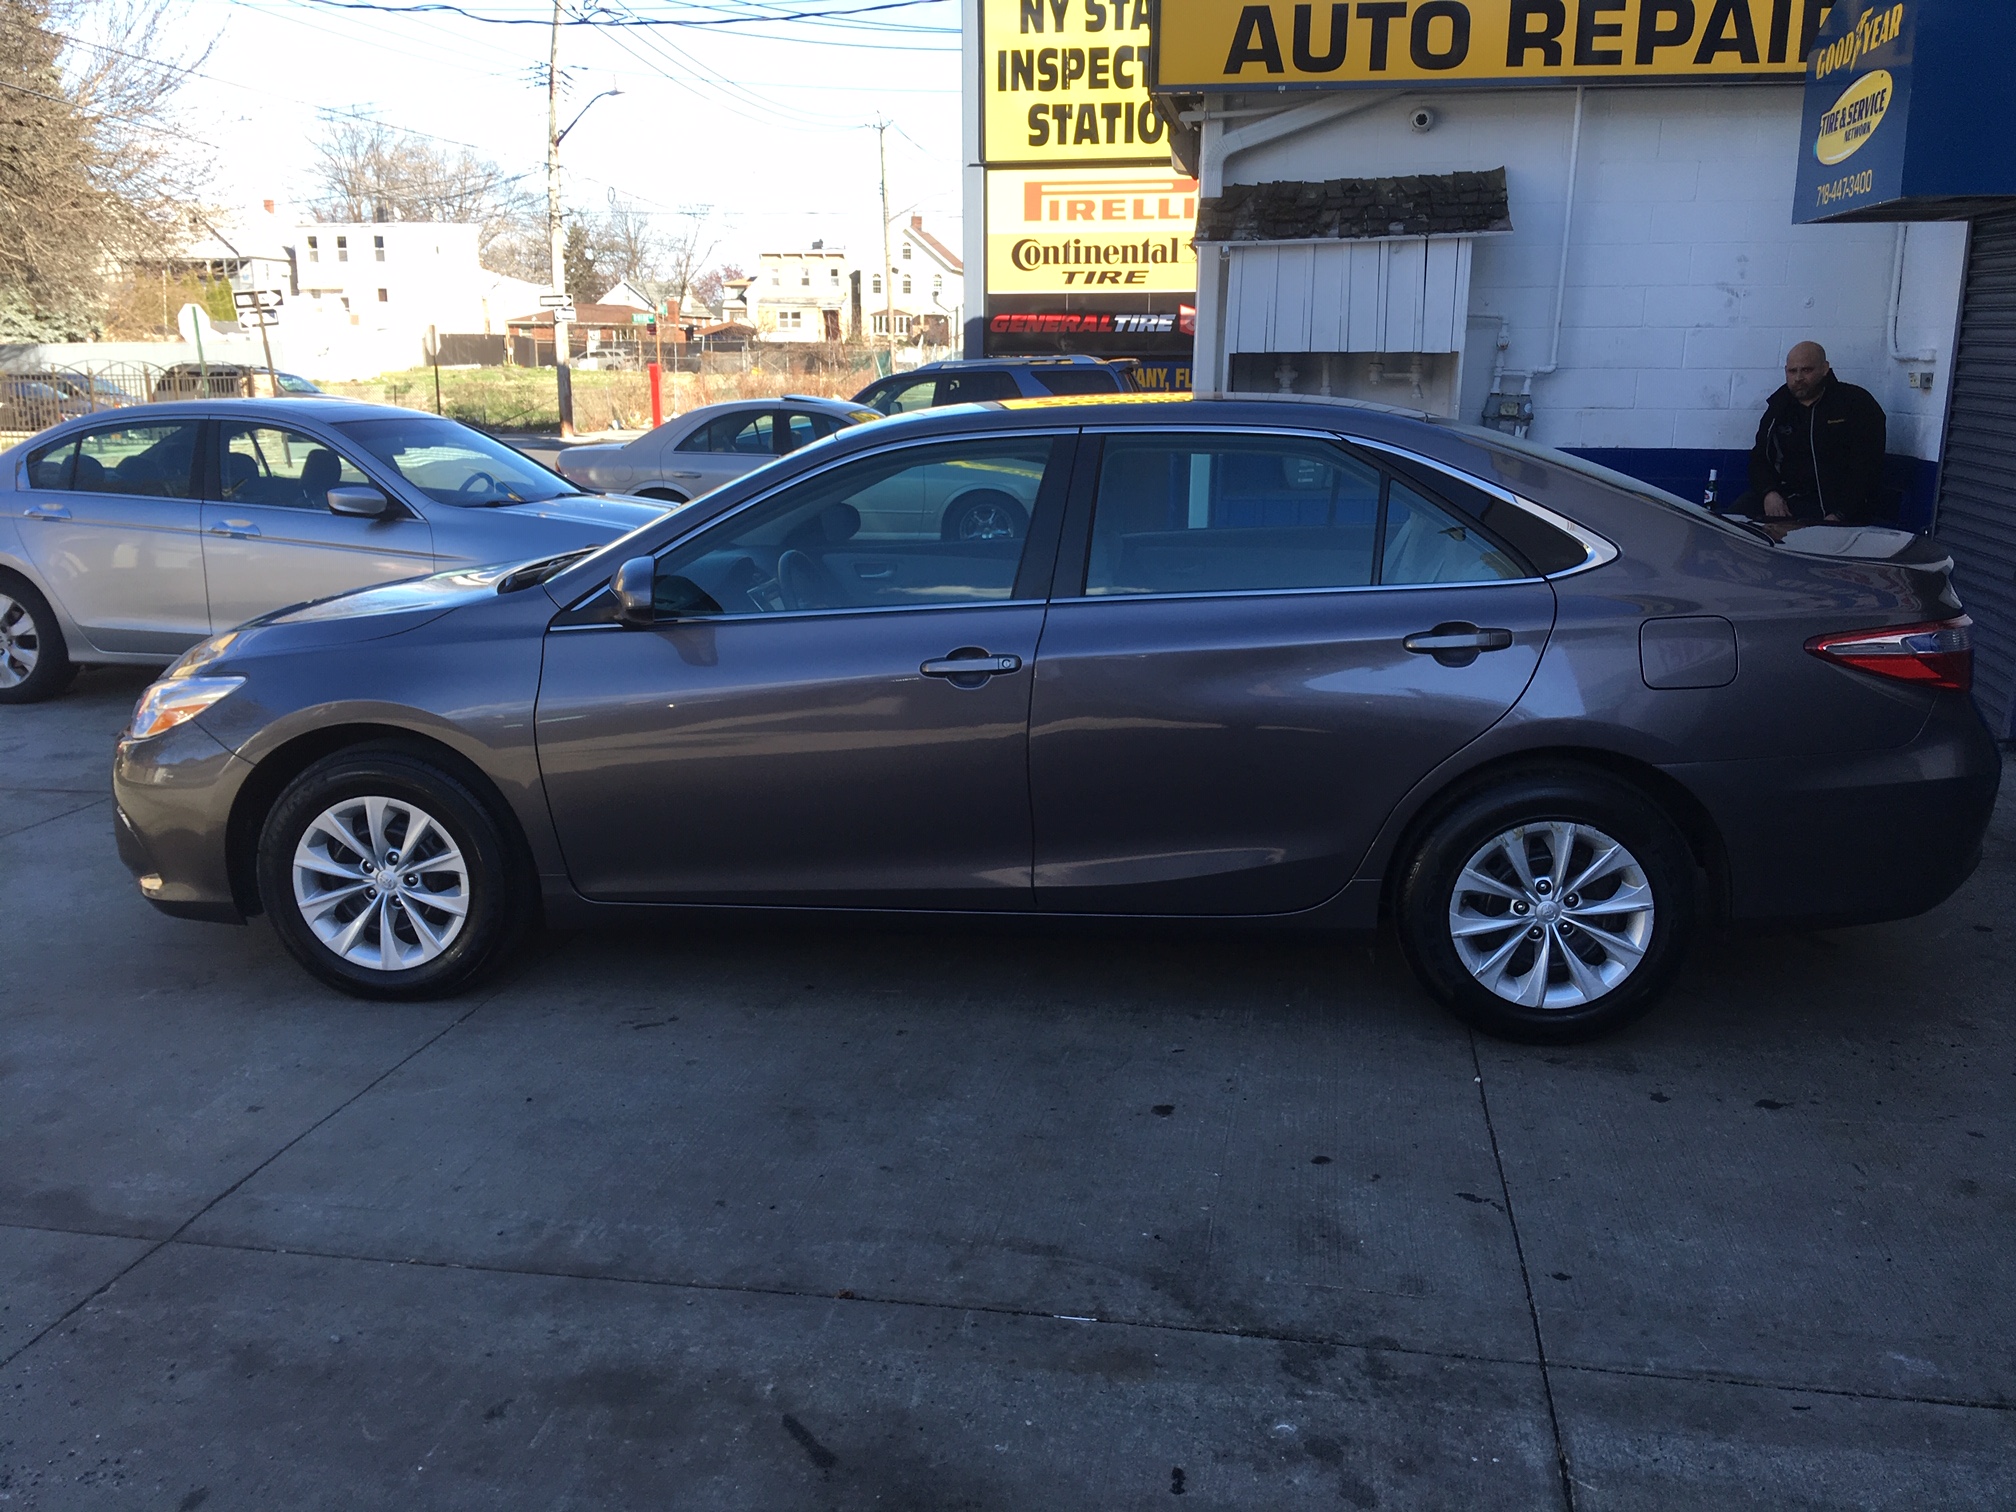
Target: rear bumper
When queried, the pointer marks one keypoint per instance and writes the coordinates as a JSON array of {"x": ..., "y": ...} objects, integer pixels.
[
  {"x": 1854, "y": 839},
  {"x": 172, "y": 798}
]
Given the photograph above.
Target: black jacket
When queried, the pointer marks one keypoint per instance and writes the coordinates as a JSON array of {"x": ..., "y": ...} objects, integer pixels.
[{"x": 1826, "y": 459}]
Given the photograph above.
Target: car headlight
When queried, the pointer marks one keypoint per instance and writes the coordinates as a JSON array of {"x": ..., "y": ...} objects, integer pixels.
[{"x": 177, "y": 700}]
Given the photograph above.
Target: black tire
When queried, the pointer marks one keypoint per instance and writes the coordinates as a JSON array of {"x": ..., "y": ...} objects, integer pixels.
[
  {"x": 985, "y": 514},
  {"x": 1520, "y": 810},
  {"x": 34, "y": 661},
  {"x": 496, "y": 889},
  {"x": 665, "y": 494}
]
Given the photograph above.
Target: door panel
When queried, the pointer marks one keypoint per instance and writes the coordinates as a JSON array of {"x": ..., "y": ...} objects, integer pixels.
[
  {"x": 270, "y": 540},
  {"x": 122, "y": 548},
  {"x": 792, "y": 759},
  {"x": 1238, "y": 754}
]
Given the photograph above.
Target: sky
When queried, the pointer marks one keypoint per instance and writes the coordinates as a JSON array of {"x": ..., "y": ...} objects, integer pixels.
[{"x": 767, "y": 123}]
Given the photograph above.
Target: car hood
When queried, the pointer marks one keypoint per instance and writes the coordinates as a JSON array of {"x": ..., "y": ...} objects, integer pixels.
[{"x": 619, "y": 514}]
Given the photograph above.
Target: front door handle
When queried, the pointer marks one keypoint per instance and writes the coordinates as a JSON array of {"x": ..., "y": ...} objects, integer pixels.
[
  {"x": 46, "y": 512},
  {"x": 970, "y": 666},
  {"x": 1457, "y": 643},
  {"x": 682, "y": 475},
  {"x": 238, "y": 530}
]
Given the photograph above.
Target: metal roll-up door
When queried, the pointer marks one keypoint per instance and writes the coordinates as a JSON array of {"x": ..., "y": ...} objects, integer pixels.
[{"x": 1977, "y": 487}]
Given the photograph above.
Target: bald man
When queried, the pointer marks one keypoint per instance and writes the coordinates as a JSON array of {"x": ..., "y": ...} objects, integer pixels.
[{"x": 1819, "y": 452}]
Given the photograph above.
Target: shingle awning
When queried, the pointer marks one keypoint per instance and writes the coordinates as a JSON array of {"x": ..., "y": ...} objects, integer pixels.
[{"x": 1418, "y": 204}]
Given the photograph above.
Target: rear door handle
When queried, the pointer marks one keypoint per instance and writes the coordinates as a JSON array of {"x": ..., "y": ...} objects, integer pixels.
[
  {"x": 46, "y": 512},
  {"x": 239, "y": 530},
  {"x": 1457, "y": 643},
  {"x": 970, "y": 666}
]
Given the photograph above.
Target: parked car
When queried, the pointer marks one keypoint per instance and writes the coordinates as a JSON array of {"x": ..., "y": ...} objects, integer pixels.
[
  {"x": 97, "y": 391},
  {"x": 131, "y": 536},
  {"x": 229, "y": 380},
  {"x": 34, "y": 403},
  {"x": 1301, "y": 662},
  {"x": 971, "y": 382},
  {"x": 706, "y": 447}
]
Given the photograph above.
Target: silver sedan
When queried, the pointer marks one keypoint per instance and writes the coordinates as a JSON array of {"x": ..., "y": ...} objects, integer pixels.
[
  {"x": 130, "y": 536},
  {"x": 700, "y": 450}
]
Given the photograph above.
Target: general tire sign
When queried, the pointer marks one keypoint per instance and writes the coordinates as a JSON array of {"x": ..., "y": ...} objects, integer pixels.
[{"x": 1221, "y": 45}]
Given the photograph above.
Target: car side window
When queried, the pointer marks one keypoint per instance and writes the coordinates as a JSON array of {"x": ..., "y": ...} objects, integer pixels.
[
  {"x": 1252, "y": 514},
  {"x": 50, "y": 466},
  {"x": 802, "y": 428},
  {"x": 156, "y": 461},
  {"x": 870, "y": 534},
  {"x": 975, "y": 388},
  {"x": 1077, "y": 380},
  {"x": 911, "y": 396},
  {"x": 266, "y": 464}
]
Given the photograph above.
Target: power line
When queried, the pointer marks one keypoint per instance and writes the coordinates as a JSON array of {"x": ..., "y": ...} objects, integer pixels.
[{"x": 598, "y": 22}]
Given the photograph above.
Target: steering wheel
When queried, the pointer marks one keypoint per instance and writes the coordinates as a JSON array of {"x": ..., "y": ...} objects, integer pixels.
[
  {"x": 469, "y": 483},
  {"x": 802, "y": 583}
]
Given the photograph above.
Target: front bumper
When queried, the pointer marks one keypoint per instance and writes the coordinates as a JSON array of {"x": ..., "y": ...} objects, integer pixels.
[
  {"x": 1859, "y": 838},
  {"x": 172, "y": 800}
]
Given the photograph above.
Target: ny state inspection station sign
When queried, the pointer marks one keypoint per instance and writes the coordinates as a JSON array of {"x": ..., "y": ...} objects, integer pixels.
[{"x": 1221, "y": 45}]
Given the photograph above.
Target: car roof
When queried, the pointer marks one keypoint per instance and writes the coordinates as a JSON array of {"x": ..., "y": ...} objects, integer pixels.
[
  {"x": 328, "y": 408},
  {"x": 1062, "y": 359}
]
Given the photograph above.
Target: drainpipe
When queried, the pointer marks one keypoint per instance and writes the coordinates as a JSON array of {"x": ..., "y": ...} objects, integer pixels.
[
  {"x": 1897, "y": 301},
  {"x": 1567, "y": 242}
]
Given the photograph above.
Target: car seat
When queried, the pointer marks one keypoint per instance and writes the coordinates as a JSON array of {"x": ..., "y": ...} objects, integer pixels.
[{"x": 320, "y": 472}]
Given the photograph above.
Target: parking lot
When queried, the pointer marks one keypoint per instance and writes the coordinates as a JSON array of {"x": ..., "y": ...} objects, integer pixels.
[{"x": 771, "y": 1217}]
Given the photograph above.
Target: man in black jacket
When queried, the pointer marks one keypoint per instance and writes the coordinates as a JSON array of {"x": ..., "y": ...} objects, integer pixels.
[{"x": 1819, "y": 452}]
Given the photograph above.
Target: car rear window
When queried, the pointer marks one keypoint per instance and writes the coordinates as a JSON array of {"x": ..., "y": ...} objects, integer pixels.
[{"x": 1077, "y": 380}]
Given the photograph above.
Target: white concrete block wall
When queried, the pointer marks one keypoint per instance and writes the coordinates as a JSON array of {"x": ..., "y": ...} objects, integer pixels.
[{"x": 1687, "y": 280}]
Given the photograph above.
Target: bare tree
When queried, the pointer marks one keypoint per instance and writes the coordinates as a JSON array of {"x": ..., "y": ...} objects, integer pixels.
[
  {"x": 627, "y": 245},
  {"x": 92, "y": 174},
  {"x": 708, "y": 287},
  {"x": 688, "y": 248},
  {"x": 369, "y": 171}
]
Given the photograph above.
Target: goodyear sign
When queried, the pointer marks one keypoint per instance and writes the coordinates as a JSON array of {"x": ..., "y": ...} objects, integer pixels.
[
  {"x": 1078, "y": 230},
  {"x": 1858, "y": 93},
  {"x": 1066, "y": 81},
  {"x": 1244, "y": 44}
]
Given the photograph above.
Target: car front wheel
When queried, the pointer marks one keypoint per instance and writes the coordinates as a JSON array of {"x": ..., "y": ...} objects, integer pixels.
[
  {"x": 986, "y": 514},
  {"x": 1548, "y": 908},
  {"x": 387, "y": 877}
]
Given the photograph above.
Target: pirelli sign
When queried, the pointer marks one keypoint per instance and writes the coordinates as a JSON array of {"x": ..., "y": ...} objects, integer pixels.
[{"x": 1220, "y": 45}]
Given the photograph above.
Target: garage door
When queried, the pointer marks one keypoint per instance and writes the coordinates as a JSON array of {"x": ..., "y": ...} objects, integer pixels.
[{"x": 1977, "y": 489}]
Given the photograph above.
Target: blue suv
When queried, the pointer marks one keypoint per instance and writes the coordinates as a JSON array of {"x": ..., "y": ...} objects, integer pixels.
[{"x": 959, "y": 382}]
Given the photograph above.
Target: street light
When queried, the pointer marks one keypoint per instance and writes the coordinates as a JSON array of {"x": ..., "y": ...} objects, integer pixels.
[{"x": 563, "y": 375}]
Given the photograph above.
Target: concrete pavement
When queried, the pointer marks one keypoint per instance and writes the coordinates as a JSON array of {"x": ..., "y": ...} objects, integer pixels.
[{"x": 773, "y": 1217}]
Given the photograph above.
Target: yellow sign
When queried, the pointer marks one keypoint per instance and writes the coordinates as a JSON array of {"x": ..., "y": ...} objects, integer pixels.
[
  {"x": 1852, "y": 120},
  {"x": 1226, "y": 44},
  {"x": 1066, "y": 81},
  {"x": 1067, "y": 230}
]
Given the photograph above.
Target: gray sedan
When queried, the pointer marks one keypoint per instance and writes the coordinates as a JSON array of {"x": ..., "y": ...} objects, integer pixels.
[
  {"x": 1301, "y": 663},
  {"x": 704, "y": 448},
  {"x": 128, "y": 537}
]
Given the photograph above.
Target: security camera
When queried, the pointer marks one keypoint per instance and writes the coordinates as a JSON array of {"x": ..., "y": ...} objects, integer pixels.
[{"x": 1422, "y": 119}]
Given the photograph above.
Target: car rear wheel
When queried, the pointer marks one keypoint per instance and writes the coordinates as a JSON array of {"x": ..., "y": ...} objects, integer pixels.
[
  {"x": 387, "y": 878},
  {"x": 34, "y": 662},
  {"x": 985, "y": 514},
  {"x": 666, "y": 494},
  {"x": 1548, "y": 908}
]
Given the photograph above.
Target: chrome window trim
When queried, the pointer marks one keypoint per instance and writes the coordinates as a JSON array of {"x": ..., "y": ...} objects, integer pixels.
[
  {"x": 1600, "y": 552},
  {"x": 1050, "y": 432},
  {"x": 1250, "y": 593},
  {"x": 765, "y": 617}
]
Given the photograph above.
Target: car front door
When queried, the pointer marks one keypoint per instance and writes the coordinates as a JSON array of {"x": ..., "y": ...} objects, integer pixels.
[
  {"x": 842, "y": 719},
  {"x": 117, "y": 535},
  {"x": 270, "y": 538},
  {"x": 1258, "y": 646}
]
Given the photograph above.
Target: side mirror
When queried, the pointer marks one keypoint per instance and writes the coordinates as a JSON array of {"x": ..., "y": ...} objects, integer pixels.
[
  {"x": 352, "y": 500},
  {"x": 645, "y": 598},
  {"x": 632, "y": 587}
]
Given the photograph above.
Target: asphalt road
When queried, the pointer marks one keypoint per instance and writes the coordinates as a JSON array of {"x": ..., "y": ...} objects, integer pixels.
[{"x": 780, "y": 1218}]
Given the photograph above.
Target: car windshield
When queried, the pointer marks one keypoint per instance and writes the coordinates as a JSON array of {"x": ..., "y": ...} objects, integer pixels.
[{"x": 453, "y": 464}]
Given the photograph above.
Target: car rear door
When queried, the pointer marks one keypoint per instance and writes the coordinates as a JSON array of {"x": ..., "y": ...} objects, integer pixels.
[
  {"x": 1259, "y": 642},
  {"x": 117, "y": 535},
  {"x": 270, "y": 538},
  {"x": 847, "y": 724},
  {"x": 722, "y": 450}
]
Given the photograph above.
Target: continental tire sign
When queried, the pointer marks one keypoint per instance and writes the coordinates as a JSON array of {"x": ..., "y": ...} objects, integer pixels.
[
  {"x": 1234, "y": 44},
  {"x": 1090, "y": 230}
]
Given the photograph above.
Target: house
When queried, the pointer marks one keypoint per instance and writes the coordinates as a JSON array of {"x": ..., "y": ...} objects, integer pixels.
[
  {"x": 926, "y": 300},
  {"x": 598, "y": 330},
  {"x": 795, "y": 296}
]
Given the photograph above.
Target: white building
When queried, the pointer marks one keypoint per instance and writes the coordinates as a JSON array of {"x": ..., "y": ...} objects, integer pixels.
[
  {"x": 798, "y": 296},
  {"x": 926, "y": 297}
]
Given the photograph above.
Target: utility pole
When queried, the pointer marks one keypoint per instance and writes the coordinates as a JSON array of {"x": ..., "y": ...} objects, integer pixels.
[
  {"x": 888, "y": 268},
  {"x": 562, "y": 338}
]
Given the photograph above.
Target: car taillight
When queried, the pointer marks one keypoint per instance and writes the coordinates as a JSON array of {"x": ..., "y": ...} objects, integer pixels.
[{"x": 1936, "y": 655}]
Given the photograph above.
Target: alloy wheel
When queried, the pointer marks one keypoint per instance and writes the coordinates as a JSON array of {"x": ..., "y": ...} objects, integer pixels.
[
  {"x": 381, "y": 883},
  {"x": 20, "y": 642},
  {"x": 986, "y": 522},
  {"x": 1552, "y": 916}
]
